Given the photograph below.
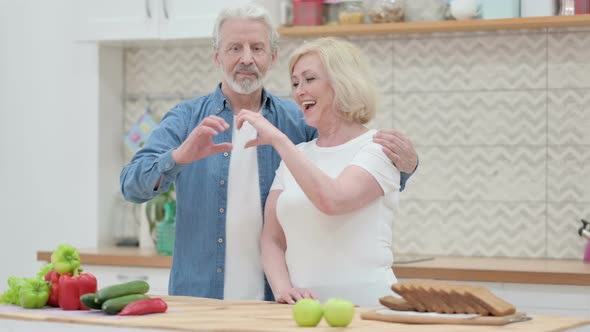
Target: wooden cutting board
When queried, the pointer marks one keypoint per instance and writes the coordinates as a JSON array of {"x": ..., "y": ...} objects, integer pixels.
[{"x": 412, "y": 317}]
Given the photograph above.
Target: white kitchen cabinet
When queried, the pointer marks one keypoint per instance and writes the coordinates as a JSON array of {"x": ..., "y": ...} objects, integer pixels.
[
  {"x": 112, "y": 275},
  {"x": 115, "y": 20}
]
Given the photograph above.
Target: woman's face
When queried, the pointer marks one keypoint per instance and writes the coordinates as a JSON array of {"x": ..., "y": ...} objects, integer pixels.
[{"x": 313, "y": 91}]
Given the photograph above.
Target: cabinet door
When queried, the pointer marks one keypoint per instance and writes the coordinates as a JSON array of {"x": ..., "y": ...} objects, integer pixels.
[
  {"x": 118, "y": 20},
  {"x": 190, "y": 18}
]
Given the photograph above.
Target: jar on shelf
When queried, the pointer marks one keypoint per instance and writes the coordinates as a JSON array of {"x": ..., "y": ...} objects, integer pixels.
[
  {"x": 425, "y": 10},
  {"x": 385, "y": 11},
  {"x": 331, "y": 11},
  {"x": 307, "y": 12},
  {"x": 351, "y": 12},
  {"x": 286, "y": 18}
]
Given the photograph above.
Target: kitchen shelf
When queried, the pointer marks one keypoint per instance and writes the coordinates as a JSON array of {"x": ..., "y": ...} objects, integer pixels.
[{"x": 439, "y": 26}]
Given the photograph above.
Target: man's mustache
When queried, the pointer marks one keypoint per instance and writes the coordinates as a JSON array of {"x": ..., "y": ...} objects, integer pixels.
[{"x": 251, "y": 69}]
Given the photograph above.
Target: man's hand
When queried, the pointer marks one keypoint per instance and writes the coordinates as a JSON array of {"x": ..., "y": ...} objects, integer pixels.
[
  {"x": 199, "y": 143},
  {"x": 399, "y": 149}
]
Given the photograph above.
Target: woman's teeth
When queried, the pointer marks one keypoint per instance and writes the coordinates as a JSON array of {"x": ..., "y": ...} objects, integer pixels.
[{"x": 308, "y": 104}]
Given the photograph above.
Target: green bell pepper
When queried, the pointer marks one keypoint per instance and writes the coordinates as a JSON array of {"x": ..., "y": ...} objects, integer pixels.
[
  {"x": 33, "y": 293},
  {"x": 65, "y": 259}
]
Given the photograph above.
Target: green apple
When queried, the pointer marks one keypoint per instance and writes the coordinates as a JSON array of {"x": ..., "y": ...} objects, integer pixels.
[
  {"x": 338, "y": 312},
  {"x": 307, "y": 312}
]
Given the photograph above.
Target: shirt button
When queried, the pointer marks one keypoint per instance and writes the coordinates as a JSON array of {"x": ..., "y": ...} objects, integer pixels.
[
  {"x": 222, "y": 182},
  {"x": 220, "y": 240},
  {"x": 167, "y": 165},
  {"x": 221, "y": 210},
  {"x": 218, "y": 270},
  {"x": 225, "y": 154}
]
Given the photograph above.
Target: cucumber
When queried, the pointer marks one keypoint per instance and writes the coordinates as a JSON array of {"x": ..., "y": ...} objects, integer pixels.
[
  {"x": 89, "y": 300},
  {"x": 131, "y": 287},
  {"x": 116, "y": 304}
]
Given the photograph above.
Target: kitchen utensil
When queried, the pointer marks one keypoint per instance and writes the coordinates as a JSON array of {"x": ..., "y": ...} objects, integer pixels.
[
  {"x": 567, "y": 8},
  {"x": 584, "y": 231}
]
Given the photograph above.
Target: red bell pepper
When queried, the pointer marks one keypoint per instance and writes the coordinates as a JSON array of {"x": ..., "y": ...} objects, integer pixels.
[
  {"x": 145, "y": 306},
  {"x": 53, "y": 277},
  {"x": 72, "y": 286}
]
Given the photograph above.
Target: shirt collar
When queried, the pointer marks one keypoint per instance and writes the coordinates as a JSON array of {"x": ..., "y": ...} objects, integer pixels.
[{"x": 221, "y": 102}]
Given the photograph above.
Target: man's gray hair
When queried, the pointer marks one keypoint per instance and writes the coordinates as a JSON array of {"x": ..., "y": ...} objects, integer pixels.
[{"x": 249, "y": 11}]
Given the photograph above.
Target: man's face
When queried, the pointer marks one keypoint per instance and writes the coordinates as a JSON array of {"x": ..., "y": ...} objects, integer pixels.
[{"x": 244, "y": 54}]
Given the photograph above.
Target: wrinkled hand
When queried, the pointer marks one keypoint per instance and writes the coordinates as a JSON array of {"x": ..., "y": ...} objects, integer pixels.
[
  {"x": 291, "y": 295},
  {"x": 399, "y": 149},
  {"x": 267, "y": 133},
  {"x": 199, "y": 143}
]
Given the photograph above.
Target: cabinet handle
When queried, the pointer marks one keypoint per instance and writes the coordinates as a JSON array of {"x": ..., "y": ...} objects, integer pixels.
[
  {"x": 148, "y": 10},
  {"x": 165, "y": 5}
]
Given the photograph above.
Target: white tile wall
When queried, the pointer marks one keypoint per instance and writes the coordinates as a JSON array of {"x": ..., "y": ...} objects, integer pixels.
[{"x": 501, "y": 122}]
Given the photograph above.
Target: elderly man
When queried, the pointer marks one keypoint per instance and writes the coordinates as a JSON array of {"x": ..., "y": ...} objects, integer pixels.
[{"x": 221, "y": 187}]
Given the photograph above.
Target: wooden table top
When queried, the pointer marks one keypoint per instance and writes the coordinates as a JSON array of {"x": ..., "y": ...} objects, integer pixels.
[{"x": 198, "y": 314}]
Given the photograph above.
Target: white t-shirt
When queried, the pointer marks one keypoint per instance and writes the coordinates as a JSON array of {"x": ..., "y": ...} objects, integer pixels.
[
  {"x": 347, "y": 256},
  {"x": 244, "y": 275}
]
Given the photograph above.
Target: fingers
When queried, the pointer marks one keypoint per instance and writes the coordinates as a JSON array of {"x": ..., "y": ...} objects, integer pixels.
[
  {"x": 206, "y": 131},
  {"x": 221, "y": 147},
  {"x": 295, "y": 294},
  {"x": 394, "y": 157},
  {"x": 246, "y": 115},
  {"x": 393, "y": 146},
  {"x": 288, "y": 298},
  {"x": 306, "y": 293},
  {"x": 398, "y": 148},
  {"x": 214, "y": 122}
]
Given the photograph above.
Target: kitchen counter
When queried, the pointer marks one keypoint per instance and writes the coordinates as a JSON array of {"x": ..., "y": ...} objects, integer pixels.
[
  {"x": 198, "y": 314},
  {"x": 488, "y": 269}
]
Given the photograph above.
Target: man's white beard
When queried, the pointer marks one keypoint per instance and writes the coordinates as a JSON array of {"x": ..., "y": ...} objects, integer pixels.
[{"x": 246, "y": 86}]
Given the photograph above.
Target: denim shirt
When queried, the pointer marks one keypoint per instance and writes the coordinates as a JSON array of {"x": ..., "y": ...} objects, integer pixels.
[{"x": 201, "y": 187}]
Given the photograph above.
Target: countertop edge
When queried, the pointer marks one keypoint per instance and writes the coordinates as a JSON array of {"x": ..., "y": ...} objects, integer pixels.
[
  {"x": 459, "y": 274},
  {"x": 477, "y": 269}
]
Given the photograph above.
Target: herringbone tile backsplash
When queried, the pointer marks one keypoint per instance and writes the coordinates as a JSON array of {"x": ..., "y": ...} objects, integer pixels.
[{"x": 500, "y": 120}]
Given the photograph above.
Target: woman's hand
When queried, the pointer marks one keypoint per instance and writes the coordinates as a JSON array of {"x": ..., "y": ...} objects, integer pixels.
[
  {"x": 292, "y": 295},
  {"x": 267, "y": 133}
]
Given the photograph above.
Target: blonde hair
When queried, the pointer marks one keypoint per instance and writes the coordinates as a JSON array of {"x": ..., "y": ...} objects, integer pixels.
[{"x": 355, "y": 91}]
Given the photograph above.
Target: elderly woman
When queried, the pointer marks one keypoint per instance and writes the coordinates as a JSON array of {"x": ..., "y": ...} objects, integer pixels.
[{"x": 329, "y": 214}]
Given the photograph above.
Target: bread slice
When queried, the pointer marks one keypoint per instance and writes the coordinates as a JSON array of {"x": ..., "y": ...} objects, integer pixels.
[
  {"x": 396, "y": 303},
  {"x": 442, "y": 297},
  {"x": 407, "y": 291},
  {"x": 495, "y": 305}
]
